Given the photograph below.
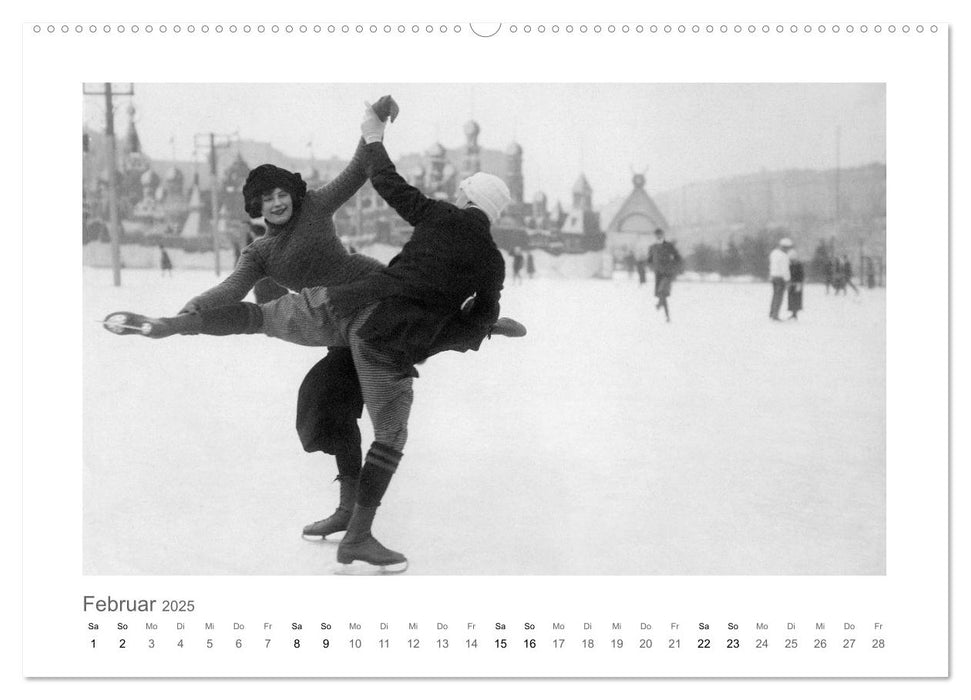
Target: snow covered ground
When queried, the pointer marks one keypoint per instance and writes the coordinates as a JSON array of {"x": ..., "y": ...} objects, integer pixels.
[{"x": 605, "y": 442}]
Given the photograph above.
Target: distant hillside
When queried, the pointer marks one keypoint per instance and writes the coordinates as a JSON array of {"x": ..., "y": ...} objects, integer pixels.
[{"x": 803, "y": 202}]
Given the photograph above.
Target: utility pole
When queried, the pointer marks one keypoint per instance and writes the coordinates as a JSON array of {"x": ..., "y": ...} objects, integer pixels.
[
  {"x": 837, "y": 180},
  {"x": 214, "y": 141},
  {"x": 114, "y": 220}
]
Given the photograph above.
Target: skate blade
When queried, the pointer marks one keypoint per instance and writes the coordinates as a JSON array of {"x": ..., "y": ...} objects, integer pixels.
[
  {"x": 322, "y": 538},
  {"x": 361, "y": 568}
]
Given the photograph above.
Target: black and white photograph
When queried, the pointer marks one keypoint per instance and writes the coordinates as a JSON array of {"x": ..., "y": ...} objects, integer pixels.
[
  {"x": 484, "y": 329},
  {"x": 418, "y": 348}
]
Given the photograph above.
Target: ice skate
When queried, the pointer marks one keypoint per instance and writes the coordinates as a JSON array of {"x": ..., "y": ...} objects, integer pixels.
[
  {"x": 360, "y": 553},
  {"x": 341, "y": 517},
  {"x": 369, "y": 557},
  {"x": 508, "y": 327},
  {"x": 128, "y": 323},
  {"x": 337, "y": 522}
]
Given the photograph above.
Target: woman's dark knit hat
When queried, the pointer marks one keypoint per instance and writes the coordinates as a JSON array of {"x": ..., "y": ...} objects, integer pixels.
[{"x": 265, "y": 178}]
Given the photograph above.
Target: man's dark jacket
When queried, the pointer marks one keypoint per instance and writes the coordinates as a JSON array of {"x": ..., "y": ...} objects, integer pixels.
[
  {"x": 450, "y": 257},
  {"x": 664, "y": 258}
]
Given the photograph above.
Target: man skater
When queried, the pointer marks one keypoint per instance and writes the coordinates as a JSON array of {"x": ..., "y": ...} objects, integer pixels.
[
  {"x": 665, "y": 261},
  {"x": 796, "y": 278},
  {"x": 846, "y": 273},
  {"x": 165, "y": 261},
  {"x": 779, "y": 275},
  {"x": 828, "y": 272},
  {"x": 518, "y": 260},
  {"x": 441, "y": 292}
]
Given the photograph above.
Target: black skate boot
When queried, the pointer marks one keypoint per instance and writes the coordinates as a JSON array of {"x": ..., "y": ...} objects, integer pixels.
[
  {"x": 359, "y": 545},
  {"x": 341, "y": 517}
]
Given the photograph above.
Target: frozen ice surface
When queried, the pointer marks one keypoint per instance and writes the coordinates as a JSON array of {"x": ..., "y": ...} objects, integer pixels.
[{"x": 604, "y": 442}]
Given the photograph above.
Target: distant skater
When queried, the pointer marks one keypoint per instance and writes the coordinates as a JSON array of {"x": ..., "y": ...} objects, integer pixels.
[
  {"x": 796, "y": 277},
  {"x": 530, "y": 265},
  {"x": 517, "y": 265},
  {"x": 666, "y": 263},
  {"x": 641, "y": 265},
  {"x": 845, "y": 268},
  {"x": 779, "y": 275},
  {"x": 871, "y": 273},
  {"x": 165, "y": 261}
]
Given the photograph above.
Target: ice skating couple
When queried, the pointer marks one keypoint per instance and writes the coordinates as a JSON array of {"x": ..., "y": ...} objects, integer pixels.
[
  {"x": 787, "y": 275},
  {"x": 441, "y": 292}
]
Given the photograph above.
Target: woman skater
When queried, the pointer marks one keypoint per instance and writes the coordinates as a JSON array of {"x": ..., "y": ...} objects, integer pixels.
[
  {"x": 300, "y": 249},
  {"x": 796, "y": 277}
]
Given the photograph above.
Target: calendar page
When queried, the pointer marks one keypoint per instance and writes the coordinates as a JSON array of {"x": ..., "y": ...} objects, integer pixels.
[{"x": 437, "y": 348}]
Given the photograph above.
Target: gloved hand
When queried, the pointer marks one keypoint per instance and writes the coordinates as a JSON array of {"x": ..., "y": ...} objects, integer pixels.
[{"x": 372, "y": 128}]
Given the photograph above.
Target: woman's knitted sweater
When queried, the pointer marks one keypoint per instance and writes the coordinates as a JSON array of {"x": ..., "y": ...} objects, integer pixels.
[{"x": 304, "y": 252}]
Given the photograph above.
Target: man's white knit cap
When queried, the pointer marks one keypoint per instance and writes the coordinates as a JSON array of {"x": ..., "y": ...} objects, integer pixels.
[{"x": 488, "y": 192}]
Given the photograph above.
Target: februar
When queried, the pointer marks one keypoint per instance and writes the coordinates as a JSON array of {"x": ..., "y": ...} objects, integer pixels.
[{"x": 113, "y": 605}]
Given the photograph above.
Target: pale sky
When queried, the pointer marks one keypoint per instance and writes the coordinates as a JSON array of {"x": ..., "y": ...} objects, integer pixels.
[{"x": 681, "y": 133}]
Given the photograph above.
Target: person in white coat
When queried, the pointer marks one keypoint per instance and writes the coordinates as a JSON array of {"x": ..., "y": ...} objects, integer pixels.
[{"x": 779, "y": 275}]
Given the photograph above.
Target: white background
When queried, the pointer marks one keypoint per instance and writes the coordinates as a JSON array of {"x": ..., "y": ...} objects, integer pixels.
[{"x": 901, "y": 534}]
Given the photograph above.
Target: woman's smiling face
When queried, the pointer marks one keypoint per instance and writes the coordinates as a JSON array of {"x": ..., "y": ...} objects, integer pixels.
[{"x": 277, "y": 206}]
